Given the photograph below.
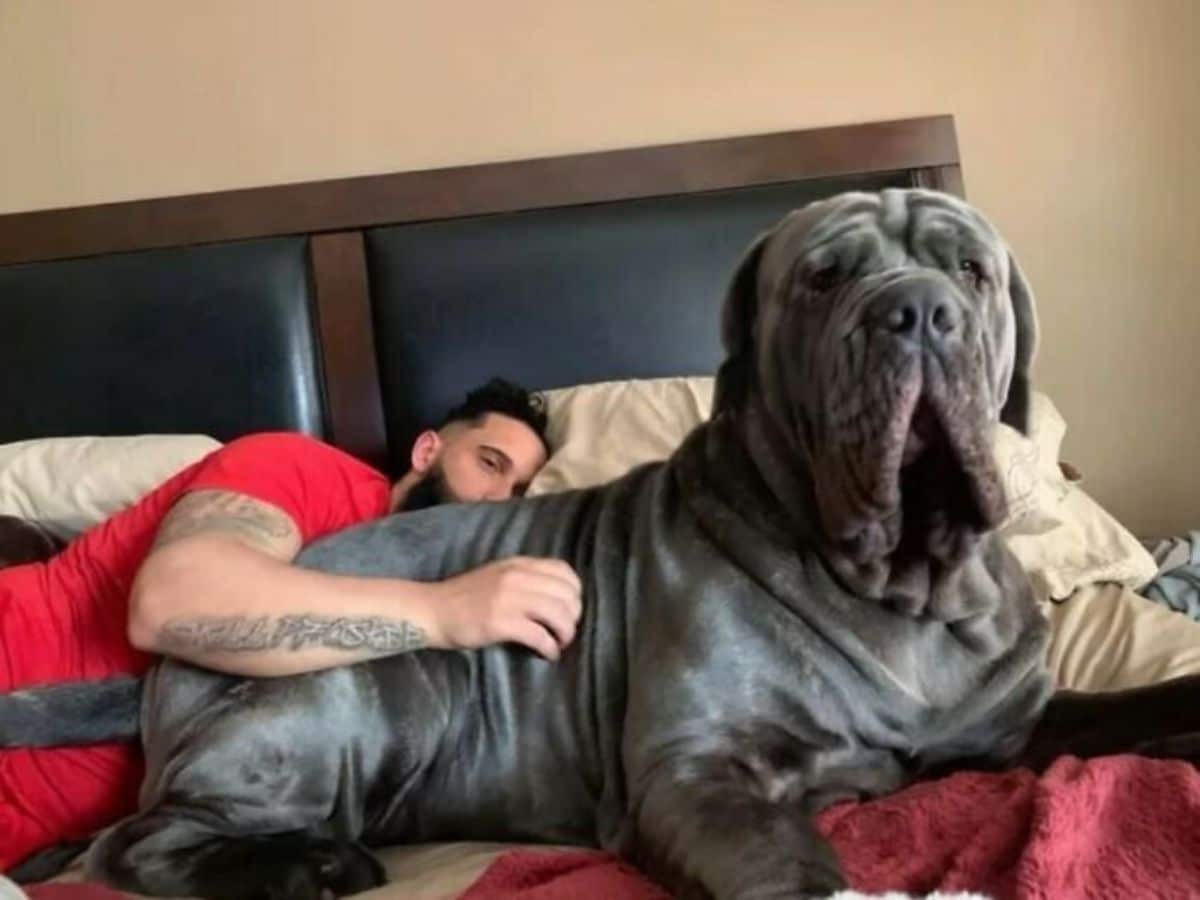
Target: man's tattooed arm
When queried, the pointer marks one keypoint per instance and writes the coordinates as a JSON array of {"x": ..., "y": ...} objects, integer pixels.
[
  {"x": 219, "y": 590},
  {"x": 241, "y": 634}
]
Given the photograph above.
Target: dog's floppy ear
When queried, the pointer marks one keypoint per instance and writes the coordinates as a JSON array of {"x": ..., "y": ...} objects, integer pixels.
[
  {"x": 1015, "y": 411},
  {"x": 736, "y": 374}
]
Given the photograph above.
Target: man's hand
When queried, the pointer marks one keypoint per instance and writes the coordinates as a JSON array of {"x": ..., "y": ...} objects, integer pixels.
[{"x": 535, "y": 602}]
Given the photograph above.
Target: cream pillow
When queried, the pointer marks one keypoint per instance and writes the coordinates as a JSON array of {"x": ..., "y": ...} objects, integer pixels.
[
  {"x": 71, "y": 484},
  {"x": 601, "y": 431},
  {"x": 1062, "y": 537}
]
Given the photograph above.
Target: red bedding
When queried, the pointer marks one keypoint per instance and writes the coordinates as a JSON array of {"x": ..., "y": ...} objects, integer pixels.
[{"x": 1120, "y": 827}]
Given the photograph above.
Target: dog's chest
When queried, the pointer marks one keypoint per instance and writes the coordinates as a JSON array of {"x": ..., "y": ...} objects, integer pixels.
[
  {"x": 836, "y": 672},
  {"x": 920, "y": 659}
]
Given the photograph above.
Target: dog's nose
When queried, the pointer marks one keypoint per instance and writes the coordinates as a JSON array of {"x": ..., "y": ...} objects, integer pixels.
[{"x": 921, "y": 311}]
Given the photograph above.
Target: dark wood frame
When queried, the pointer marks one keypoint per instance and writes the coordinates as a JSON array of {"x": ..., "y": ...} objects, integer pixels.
[{"x": 334, "y": 213}]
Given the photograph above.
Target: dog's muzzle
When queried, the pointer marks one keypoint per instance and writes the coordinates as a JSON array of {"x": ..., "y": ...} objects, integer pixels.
[{"x": 913, "y": 476}]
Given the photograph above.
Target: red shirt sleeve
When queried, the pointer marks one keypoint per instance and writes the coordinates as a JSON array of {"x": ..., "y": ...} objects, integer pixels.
[{"x": 319, "y": 486}]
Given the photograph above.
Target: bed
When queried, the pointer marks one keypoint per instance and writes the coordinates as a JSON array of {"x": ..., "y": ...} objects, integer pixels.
[{"x": 357, "y": 309}]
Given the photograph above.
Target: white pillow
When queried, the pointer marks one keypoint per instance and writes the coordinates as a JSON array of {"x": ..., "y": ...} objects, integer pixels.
[
  {"x": 1062, "y": 537},
  {"x": 71, "y": 484}
]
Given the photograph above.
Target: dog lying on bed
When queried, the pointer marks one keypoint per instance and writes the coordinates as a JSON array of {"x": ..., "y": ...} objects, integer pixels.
[{"x": 805, "y": 603}]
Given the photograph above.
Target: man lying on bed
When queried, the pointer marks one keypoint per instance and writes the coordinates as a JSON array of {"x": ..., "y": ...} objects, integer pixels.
[{"x": 200, "y": 569}]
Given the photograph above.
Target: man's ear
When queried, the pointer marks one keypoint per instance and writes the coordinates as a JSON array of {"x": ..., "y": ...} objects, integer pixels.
[
  {"x": 1016, "y": 408},
  {"x": 736, "y": 374},
  {"x": 425, "y": 451}
]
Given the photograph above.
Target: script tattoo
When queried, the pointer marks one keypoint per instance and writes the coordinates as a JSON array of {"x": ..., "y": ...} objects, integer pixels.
[{"x": 239, "y": 634}]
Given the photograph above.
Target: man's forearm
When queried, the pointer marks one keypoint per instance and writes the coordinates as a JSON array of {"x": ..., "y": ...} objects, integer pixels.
[{"x": 221, "y": 605}]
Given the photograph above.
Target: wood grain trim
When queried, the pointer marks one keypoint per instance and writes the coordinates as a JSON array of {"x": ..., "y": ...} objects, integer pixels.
[
  {"x": 941, "y": 178},
  {"x": 354, "y": 203},
  {"x": 347, "y": 340}
]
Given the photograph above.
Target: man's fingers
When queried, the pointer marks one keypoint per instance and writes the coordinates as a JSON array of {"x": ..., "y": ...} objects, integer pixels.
[
  {"x": 550, "y": 581},
  {"x": 536, "y": 638},
  {"x": 533, "y": 587},
  {"x": 550, "y": 568},
  {"x": 555, "y": 615}
]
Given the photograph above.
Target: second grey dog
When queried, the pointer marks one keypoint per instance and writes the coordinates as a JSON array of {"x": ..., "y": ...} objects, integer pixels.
[{"x": 806, "y": 602}]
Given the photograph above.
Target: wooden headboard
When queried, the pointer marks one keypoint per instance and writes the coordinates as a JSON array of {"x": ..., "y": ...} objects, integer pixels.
[{"x": 347, "y": 232}]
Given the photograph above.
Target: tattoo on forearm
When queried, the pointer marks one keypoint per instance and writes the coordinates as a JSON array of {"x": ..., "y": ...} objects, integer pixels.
[{"x": 239, "y": 634}]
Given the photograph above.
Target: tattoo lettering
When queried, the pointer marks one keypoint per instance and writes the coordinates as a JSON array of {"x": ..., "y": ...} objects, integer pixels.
[{"x": 238, "y": 634}]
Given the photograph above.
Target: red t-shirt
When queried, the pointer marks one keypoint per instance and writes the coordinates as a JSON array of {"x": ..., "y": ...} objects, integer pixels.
[{"x": 65, "y": 620}]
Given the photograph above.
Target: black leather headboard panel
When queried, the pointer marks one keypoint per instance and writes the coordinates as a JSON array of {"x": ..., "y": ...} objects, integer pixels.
[
  {"x": 563, "y": 296},
  {"x": 214, "y": 339}
]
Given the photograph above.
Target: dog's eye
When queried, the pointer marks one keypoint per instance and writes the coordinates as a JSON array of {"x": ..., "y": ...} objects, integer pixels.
[
  {"x": 824, "y": 278},
  {"x": 972, "y": 270}
]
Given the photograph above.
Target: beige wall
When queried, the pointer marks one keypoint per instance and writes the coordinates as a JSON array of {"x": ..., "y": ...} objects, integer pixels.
[{"x": 1075, "y": 119}]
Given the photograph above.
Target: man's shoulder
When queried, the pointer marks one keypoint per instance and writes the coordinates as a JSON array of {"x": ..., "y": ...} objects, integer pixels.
[
  {"x": 321, "y": 487},
  {"x": 284, "y": 447},
  {"x": 284, "y": 454}
]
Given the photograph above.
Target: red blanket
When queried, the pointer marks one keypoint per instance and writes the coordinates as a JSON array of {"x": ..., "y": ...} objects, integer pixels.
[{"x": 1121, "y": 827}]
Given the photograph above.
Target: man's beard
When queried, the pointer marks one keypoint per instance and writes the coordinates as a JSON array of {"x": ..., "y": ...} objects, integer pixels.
[{"x": 431, "y": 490}]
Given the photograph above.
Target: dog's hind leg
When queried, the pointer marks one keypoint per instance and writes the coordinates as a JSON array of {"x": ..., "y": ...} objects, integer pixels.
[
  {"x": 247, "y": 814},
  {"x": 176, "y": 852},
  {"x": 260, "y": 794}
]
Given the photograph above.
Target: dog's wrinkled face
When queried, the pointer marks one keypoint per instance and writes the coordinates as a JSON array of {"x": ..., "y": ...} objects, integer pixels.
[{"x": 887, "y": 334}]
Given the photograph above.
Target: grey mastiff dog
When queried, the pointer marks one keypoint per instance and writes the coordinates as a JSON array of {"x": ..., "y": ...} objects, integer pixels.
[{"x": 807, "y": 602}]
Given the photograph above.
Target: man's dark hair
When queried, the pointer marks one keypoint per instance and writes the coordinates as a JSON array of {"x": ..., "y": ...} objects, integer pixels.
[{"x": 507, "y": 399}]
